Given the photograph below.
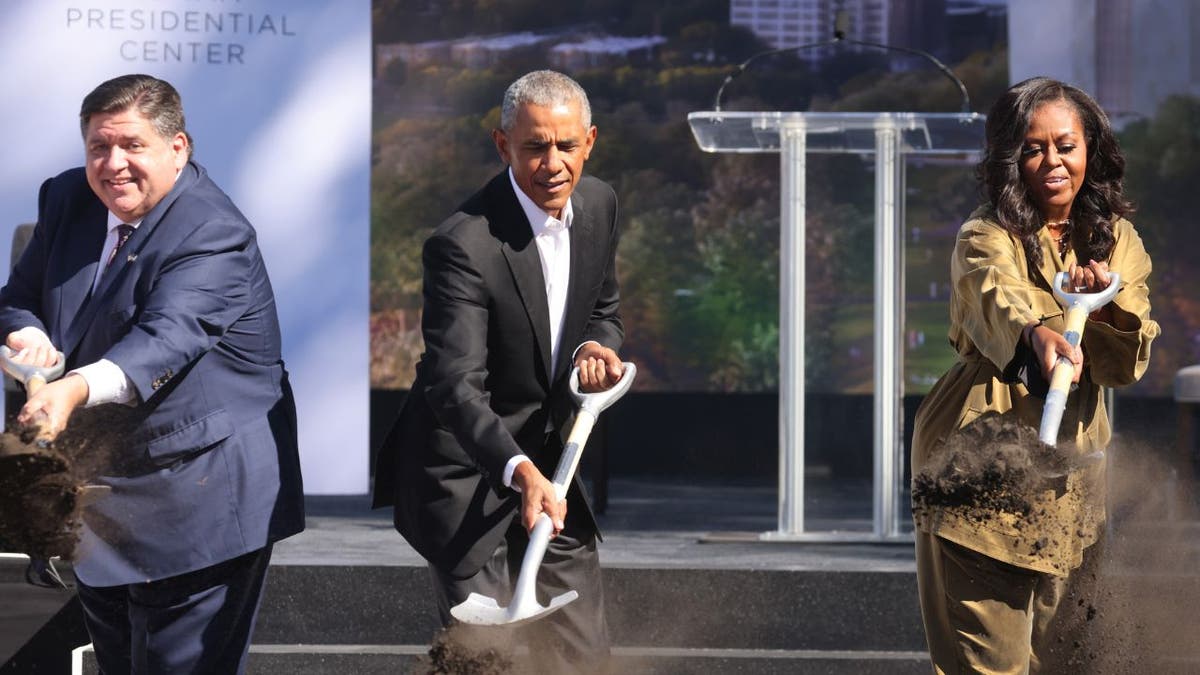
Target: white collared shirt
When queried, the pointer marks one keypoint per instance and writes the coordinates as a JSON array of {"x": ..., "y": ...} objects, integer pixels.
[
  {"x": 107, "y": 383},
  {"x": 552, "y": 236}
]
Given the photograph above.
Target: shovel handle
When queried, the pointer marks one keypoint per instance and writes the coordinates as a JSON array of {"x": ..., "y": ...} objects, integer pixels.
[
  {"x": 573, "y": 451},
  {"x": 25, "y": 373},
  {"x": 596, "y": 402},
  {"x": 590, "y": 406},
  {"x": 1079, "y": 305},
  {"x": 34, "y": 379},
  {"x": 1060, "y": 379}
]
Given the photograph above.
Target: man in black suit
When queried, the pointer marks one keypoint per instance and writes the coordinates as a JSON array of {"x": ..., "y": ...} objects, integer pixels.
[{"x": 519, "y": 285}]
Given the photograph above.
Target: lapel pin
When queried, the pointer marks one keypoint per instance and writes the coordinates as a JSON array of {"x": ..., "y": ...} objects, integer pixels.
[{"x": 131, "y": 257}]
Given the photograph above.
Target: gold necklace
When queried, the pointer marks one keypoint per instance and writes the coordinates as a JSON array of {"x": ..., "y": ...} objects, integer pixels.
[{"x": 1064, "y": 238}]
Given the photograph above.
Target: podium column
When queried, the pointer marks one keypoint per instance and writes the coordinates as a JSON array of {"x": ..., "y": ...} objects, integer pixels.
[
  {"x": 889, "y": 322},
  {"x": 793, "y": 149}
]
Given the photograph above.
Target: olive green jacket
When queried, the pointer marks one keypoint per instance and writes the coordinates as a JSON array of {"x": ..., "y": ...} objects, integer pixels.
[{"x": 994, "y": 296}]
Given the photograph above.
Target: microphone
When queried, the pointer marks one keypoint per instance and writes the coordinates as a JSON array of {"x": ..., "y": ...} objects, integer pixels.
[{"x": 841, "y": 24}]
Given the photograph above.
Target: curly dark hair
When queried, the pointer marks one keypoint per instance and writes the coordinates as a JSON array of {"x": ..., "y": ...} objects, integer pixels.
[{"x": 999, "y": 172}]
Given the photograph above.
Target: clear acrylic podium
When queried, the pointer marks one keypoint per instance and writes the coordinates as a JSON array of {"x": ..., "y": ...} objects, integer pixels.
[{"x": 889, "y": 137}]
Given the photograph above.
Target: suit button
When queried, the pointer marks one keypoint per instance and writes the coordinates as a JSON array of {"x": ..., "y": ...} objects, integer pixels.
[{"x": 161, "y": 379}]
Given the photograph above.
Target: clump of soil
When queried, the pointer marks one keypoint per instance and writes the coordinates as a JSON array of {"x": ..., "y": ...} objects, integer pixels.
[
  {"x": 40, "y": 481},
  {"x": 465, "y": 650},
  {"x": 996, "y": 473},
  {"x": 38, "y": 497},
  {"x": 991, "y": 465}
]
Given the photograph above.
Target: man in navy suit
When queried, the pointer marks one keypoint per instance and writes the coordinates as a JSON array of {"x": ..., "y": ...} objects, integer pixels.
[
  {"x": 149, "y": 280},
  {"x": 519, "y": 285}
]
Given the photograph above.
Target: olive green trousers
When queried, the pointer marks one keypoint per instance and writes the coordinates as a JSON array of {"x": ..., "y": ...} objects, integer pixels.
[{"x": 982, "y": 615}]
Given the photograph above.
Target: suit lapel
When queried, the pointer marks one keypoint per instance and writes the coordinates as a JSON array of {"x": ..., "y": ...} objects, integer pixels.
[
  {"x": 525, "y": 264},
  {"x": 81, "y": 254},
  {"x": 583, "y": 261}
]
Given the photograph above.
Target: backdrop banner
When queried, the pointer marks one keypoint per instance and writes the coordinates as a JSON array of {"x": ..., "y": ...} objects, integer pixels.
[{"x": 278, "y": 99}]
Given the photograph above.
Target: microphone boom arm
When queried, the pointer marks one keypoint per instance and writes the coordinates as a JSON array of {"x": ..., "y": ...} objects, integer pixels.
[{"x": 962, "y": 89}]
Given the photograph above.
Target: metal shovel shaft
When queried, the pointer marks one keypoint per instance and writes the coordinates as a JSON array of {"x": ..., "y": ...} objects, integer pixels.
[
  {"x": 482, "y": 610},
  {"x": 524, "y": 603},
  {"x": 573, "y": 451}
]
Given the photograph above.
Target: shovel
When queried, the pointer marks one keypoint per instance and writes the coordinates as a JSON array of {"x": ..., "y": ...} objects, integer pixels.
[
  {"x": 1078, "y": 306},
  {"x": 34, "y": 378},
  {"x": 484, "y": 611}
]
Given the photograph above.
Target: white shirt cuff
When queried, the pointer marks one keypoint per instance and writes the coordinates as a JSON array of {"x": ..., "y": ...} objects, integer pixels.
[
  {"x": 511, "y": 467},
  {"x": 576, "y": 352},
  {"x": 107, "y": 383}
]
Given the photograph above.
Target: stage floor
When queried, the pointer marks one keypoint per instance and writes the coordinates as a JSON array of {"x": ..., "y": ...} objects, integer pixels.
[{"x": 648, "y": 523}]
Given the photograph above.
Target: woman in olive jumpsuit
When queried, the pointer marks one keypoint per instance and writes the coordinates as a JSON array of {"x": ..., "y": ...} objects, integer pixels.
[{"x": 1052, "y": 172}]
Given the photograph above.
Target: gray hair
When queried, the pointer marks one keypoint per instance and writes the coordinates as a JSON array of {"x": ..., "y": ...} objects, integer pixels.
[
  {"x": 152, "y": 98},
  {"x": 543, "y": 88}
]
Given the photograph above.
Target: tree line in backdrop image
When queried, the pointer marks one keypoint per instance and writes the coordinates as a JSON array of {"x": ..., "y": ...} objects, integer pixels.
[{"x": 699, "y": 256}]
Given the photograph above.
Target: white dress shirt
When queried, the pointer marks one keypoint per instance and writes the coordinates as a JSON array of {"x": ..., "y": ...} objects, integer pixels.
[
  {"x": 107, "y": 383},
  {"x": 554, "y": 249}
]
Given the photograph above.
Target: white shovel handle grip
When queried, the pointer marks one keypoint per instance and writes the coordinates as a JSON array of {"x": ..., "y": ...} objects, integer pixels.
[
  {"x": 598, "y": 401},
  {"x": 1089, "y": 301},
  {"x": 29, "y": 375},
  {"x": 590, "y": 406}
]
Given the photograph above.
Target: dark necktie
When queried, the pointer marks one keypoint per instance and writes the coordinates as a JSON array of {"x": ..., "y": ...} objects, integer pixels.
[{"x": 123, "y": 232}]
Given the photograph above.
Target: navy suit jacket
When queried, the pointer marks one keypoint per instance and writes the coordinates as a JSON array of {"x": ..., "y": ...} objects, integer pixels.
[
  {"x": 204, "y": 466},
  {"x": 483, "y": 391}
]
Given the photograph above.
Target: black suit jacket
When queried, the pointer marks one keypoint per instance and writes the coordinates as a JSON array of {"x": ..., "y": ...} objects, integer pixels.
[{"x": 483, "y": 391}]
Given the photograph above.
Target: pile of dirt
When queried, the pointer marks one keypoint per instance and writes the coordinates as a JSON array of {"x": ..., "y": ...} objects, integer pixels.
[{"x": 466, "y": 650}]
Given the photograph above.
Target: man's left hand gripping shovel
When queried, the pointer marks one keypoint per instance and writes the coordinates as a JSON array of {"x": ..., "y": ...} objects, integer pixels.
[
  {"x": 34, "y": 378},
  {"x": 1078, "y": 306},
  {"x": 482, "y": 610},
  {"x": 41, "y": 572}
]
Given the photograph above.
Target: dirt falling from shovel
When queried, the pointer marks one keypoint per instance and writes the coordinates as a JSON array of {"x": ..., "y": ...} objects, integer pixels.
[
  {"x": 1130, "y": 608},
  {"x": 996, "y": 466},
  {"x": 37, "y": 498},
  {"x": 465, "y": 650},
  {"x": 39, "y": 484}
]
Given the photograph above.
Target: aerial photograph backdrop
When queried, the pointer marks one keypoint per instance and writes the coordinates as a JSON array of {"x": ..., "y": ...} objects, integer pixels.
[{"x": 699, "y": 256}]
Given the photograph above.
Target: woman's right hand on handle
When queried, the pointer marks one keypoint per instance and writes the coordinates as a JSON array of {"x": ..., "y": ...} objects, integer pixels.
[{"x": 1049, "y": 345}]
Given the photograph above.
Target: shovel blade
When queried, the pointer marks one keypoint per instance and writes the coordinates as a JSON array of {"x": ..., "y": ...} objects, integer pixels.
[
  {"x": 480, "y": 610},
  {"x": 90, "y": 494}
]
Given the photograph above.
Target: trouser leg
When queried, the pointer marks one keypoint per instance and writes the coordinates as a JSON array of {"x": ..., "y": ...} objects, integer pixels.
[
  {"x": 980, "y": 613},
  {"x": 106, "y": 616},
  {"x": 571, "y": 640},
  {"x": 198, "y": 622}
]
